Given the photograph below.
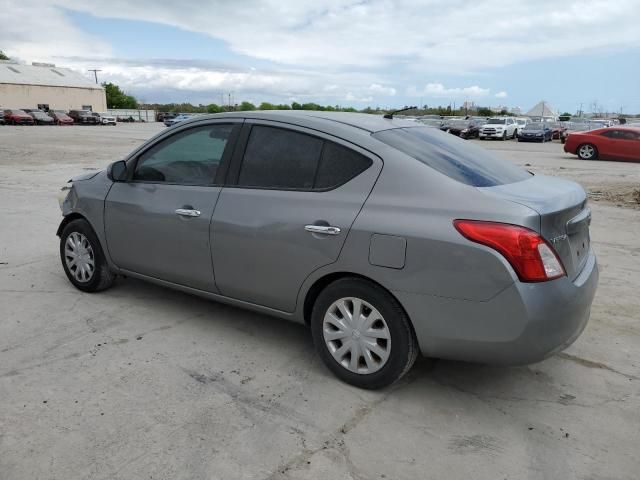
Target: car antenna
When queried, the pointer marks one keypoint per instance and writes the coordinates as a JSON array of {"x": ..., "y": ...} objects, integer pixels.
[{"x": 390, "y": 115}]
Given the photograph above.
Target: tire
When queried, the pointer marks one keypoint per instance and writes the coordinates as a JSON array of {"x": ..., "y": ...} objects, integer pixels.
[
  {"x": 79, "y": 232},
  {"x": 587, "y": 151},
  {"x": 504, "y": 136},
  {"x": 515, "y": 134},
  {"x": 373, "y": 371}
]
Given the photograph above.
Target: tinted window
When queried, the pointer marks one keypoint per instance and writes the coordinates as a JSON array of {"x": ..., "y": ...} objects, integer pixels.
[
  {"x": 191, "y": 157},
  {"x": 339, "y": 165},
  {"x": 278, "y": 158},
  {"x": 458, "y": 159}
]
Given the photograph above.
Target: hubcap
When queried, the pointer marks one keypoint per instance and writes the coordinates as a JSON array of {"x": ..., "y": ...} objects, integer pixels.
[
  {"x": 586, "y": 151},
  {"x": 356, "y": 335},
  {"x": 78, "y": 255}
]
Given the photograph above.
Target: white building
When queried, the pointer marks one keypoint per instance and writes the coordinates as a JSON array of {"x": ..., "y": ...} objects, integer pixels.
[{"x": 43, "y": 85}]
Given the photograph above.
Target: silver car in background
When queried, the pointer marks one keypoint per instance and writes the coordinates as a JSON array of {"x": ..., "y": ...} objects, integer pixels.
[{"x": 387, "y": 238}]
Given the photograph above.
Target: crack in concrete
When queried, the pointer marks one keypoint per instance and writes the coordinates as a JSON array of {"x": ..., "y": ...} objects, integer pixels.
[
  {"x": 597, "y": 365},
  {"x": 335, "y": 441}
]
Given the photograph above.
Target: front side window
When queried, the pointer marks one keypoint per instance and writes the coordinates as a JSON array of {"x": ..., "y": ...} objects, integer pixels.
[
  {"x": 191, "y": 157},
  {"x": 278, "y": 158},
  {"x": 453, "y": 157}
]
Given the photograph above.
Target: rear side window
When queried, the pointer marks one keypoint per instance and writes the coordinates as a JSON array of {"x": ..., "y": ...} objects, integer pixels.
[
  {"x": 278, "y": 158},
  {"x": 339, "y": 165},
  {"x": 455, "y": 158}
]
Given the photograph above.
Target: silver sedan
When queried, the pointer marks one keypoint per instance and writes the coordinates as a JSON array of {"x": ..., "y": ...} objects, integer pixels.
[{"x": 386, "y": 237}]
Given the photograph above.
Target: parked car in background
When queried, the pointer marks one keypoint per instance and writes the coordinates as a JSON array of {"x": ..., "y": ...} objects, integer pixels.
[
  {"x": 556, "y": 129},
  {"x": 162, "y": 116},
  {"x": 84, "y": 117},
  {"x": 475, "y": 258},
  {"x": 536, "y": 132},
  {"x": 41, "y": 118},
  {"x": 15, "y": 116},
  {"x": 106, "y": 119},
  {"x": 465, "y": 128},
  {"x": 499, "y": 127},
  {"x": 613, "y": 143},
  {"x": 521, "y": 123},
  {"x": 177, "y": 119},
  {"x": 2, "y": 122},
  {"x": 60, "y": 117},
  {"x": 574, "y": 127}
]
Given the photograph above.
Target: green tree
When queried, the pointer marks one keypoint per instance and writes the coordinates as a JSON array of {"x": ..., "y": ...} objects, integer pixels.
[
  {"x": 266, "y": 106},
  {"x": 213, "y": 108},
  {"x": 3, "y": 56},
  {"x": 485, "y": 112},
  {"x": 246, "y": 106},
  {"x": 296, "y": 106},
  {"x": 116, "y": 98}
]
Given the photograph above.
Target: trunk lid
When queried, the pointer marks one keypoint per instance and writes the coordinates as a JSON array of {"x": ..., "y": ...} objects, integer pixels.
[{"x": 564, "y": 215}]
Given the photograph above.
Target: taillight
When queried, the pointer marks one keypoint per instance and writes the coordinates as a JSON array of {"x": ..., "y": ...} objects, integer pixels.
[{"x": 533, "y": 259}]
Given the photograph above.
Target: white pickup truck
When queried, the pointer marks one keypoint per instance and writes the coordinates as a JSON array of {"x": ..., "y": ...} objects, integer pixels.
[{"x": 499, "y": 127}]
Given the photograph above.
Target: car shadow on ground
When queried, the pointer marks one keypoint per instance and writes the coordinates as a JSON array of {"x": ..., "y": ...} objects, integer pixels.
[{"x": 473, "y": 379}]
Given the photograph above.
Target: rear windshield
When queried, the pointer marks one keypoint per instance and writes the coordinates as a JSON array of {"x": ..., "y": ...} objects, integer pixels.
[{"x": 457, "y": 159}]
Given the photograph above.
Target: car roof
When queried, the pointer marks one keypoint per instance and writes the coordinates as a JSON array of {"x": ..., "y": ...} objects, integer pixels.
[{"x": 363, "y": 121}]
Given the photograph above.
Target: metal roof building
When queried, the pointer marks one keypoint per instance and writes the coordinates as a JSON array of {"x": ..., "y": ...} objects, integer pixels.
[{"x": 43, "y": 85}]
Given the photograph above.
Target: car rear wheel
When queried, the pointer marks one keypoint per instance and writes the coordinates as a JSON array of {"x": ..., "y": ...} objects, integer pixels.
[
  {"x": 83, "y": 259},
  {"x": 362, "y": 334},
  {"x": 587, "y": 152}
]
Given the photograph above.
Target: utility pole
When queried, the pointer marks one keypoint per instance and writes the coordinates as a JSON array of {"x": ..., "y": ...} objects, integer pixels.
[{"x": 95, "y": 72}]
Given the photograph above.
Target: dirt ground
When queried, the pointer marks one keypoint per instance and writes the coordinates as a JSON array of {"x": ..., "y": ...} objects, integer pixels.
[{"x": 140, "y": 382}]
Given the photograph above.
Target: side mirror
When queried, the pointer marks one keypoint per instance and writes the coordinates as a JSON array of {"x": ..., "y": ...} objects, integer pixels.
[{"x": 117, "y": 171}]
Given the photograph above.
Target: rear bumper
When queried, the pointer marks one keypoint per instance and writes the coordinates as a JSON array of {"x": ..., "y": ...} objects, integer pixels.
[{"x": 523, "y": 324}]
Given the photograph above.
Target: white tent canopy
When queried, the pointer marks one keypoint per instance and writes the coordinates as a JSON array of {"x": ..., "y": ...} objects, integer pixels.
[{"x": 542, "y": 110}]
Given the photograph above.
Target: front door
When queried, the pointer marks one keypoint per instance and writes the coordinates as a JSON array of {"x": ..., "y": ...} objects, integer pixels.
[
  {"x": 295, "y": 199},
  {"x": 157, "y": 222}
]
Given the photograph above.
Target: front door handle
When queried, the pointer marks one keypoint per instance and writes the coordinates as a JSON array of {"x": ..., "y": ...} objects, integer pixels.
[
  {"x": 188, "y": 212},
  {"x": 322, "y": 229}
]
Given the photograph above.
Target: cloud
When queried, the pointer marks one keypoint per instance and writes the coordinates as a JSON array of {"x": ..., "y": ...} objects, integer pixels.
[
  {"x": 438, "y": 90},
  {"x": 329, "y": 50},
  {"x": 377, "y": 88},
  {"x": 502, "y": 94},
  {"x": 430, "y": 35}
]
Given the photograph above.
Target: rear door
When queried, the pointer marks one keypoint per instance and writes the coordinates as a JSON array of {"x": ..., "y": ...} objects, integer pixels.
[
  {"x": 157, "y": 223},
  {"x": 294, "y": 196}
]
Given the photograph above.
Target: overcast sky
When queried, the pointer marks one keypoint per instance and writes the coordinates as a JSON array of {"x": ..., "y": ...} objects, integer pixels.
[{"x": 356, "y": 53}]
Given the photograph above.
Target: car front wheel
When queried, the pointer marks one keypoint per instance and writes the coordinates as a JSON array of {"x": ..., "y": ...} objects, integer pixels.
[
  {"x": 362, "y": 334},
  {"x": 587, "y": 152},
  {"x": 83, "y": 259}
]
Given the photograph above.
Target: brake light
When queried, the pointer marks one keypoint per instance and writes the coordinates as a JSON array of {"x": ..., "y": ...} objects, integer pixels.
[{"x": 530, "y": 255}]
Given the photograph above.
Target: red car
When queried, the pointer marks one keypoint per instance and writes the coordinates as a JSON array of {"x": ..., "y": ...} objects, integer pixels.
[
  {"x": 612, "y": 143},
  {"x": 17, "y": 117},
  {"x": 60, "y": 118}
]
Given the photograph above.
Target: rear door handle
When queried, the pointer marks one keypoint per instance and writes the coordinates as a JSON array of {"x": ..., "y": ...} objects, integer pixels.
[
  {"x": 188, "y": 212},
  {"x": 322, "y": 229}
]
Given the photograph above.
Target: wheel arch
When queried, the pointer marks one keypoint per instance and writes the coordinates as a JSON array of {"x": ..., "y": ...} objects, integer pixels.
[
  {"x": 70, "y": 218},
  {"x": 324, "y": 281}
]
